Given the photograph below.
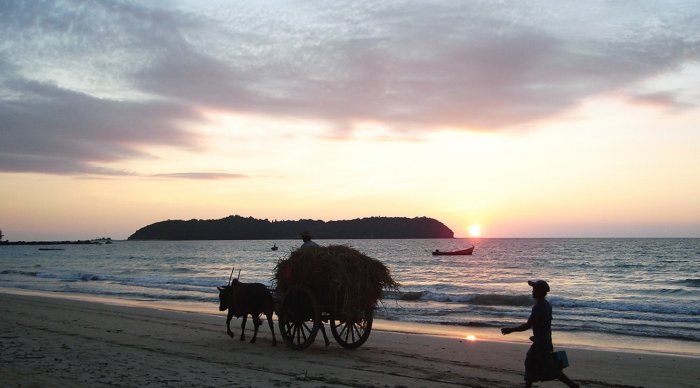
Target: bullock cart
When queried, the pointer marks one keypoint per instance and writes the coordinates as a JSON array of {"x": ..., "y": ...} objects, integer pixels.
[{"x": 336, "y": 285}]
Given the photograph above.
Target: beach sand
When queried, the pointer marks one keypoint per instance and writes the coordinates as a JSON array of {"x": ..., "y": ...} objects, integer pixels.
[{"x": 57, "y": 342}]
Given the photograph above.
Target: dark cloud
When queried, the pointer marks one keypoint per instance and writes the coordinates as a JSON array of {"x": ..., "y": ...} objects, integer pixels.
[
  {"x": 50, "y": 129},
  {"x": 418, "y": 66},
  {"x": 83, "y": 85}
]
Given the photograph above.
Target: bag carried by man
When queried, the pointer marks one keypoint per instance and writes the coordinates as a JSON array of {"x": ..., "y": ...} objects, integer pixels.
[{"x": 560, "y": 359}]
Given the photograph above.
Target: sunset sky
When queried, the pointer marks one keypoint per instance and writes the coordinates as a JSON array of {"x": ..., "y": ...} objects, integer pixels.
[{"x": 528, "y": 118}]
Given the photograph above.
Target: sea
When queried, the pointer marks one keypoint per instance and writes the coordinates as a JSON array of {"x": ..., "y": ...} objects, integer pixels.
[{"x": 623, "y": 294}]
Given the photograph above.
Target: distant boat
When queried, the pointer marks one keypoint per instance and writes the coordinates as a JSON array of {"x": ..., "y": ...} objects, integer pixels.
[
  {"x": 467, "y": 251},
  {"x": 274, "y": 247}
]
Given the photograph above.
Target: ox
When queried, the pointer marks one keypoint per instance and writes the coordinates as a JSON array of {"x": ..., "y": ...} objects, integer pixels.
[{"x": 242, "y": 299}]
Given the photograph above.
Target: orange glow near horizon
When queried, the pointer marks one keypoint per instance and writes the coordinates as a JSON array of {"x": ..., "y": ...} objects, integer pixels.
[{"x": 470, "y": 337}]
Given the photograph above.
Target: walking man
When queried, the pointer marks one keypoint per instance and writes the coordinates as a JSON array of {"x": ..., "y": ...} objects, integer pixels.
[{"x": 539, "y": 364}]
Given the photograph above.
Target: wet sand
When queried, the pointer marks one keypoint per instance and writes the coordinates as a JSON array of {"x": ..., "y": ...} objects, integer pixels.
[{"x": 57, "y": 342}]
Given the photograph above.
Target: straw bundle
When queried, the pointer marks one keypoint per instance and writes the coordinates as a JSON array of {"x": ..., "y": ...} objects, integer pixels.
[{"x": 341, "y": 278}]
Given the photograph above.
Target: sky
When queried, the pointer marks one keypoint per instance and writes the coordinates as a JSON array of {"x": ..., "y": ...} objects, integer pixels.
[{"x": 524, "y": 118}]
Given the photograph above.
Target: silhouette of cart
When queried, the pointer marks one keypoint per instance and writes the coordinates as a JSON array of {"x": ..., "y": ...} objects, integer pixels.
[{"x": 303, "y": 310}]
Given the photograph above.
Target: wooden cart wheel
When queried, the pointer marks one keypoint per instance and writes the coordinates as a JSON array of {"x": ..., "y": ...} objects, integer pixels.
[
  {"x": 299, "y": 318},
  {"x": 352, "y": 334}
]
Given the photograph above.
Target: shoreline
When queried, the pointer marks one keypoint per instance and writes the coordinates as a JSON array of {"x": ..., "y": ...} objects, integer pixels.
[
  {"x": 56, "y": 341},
  {"x": 562, "y": 340}
]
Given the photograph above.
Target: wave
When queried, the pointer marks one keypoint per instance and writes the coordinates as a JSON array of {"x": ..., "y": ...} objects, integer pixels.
[
  {"x": 181, "y": 270},
  {"x": 45, "y": 275},
  {"x": 143, "y": 296},
  {"x": 673, "y": 291},
  {"x": 649, "y": 331},
  {"x": 402, "y": 295},
  {"x": 140, "y": 281},
  {"x": 676, "y": 311},
  {"x": 164, "y": 281},
  {"x": 689, "y": 308},
  {"x": 78, "y": 277},
  {"x": 501, "y": 300},
  {"x": 472, "y": 299},
  {"x": 691, "y": 282},
  {"x": 88, "y": 277},
  {"x": 15, "y": 272}
]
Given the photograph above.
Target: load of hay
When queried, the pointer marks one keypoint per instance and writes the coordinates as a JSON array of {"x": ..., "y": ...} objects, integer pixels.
[{"x": 341, "y": 278}]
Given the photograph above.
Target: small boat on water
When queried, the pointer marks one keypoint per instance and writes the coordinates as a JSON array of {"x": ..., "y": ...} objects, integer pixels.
[
  {"x": 467, "y": 251},
  {"x": 274, "y": 247}
]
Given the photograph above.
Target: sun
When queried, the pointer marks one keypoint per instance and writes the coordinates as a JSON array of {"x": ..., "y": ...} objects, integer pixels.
[{"x": 475, "y": 230}]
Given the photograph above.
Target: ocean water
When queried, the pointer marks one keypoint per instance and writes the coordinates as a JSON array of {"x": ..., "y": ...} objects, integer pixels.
[{"x": 641, "y": 291}]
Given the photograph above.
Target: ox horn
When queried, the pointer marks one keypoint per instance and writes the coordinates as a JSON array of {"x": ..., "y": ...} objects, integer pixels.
[
  {"x": 239, "y": 274},
  {"x": 231, "y": 276}
]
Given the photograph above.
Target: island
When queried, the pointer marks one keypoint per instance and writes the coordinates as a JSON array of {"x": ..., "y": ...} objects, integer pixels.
[{"x": 248, "y": 228}]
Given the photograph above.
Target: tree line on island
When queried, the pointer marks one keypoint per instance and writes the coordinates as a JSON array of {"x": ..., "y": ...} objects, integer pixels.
[{"x": 248, "y": 228}]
